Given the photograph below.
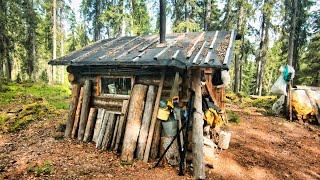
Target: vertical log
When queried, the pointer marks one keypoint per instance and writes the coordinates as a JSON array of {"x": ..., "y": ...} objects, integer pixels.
[
  {"x": 73, "y": 108},
  {"x": 146, "y": 119},
  {"x": 84, "y": 109},
  {"x": 115, "y": 133},
  {"x": 197, "y": 127},
  {"x": 77, "y": 116},
  {"x": 122, "y": 122},
  {"x": 98, "y": 125},
  {"x": 133, "y": 122},
  {"x": 155, "y": 145},
  {"x": 109, "y": 130},
  {"x": 154, "y": 119},
  {"x": 102, "y": 130},
  {"x": 90, "y": 124}
]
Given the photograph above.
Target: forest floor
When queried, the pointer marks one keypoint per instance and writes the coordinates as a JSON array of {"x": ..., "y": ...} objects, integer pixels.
[{"x": 262, "y": 147}]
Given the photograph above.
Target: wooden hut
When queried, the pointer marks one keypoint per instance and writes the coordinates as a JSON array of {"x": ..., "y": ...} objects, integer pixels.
[{"x": 117, "y": 85}]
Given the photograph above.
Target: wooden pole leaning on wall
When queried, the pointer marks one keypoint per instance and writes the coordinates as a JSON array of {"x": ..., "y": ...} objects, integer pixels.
[
  {"x": 134, "y": 119},
  {"x": 85, "y": 108},
  {"x": 77, "y": 117},
  {"x": 75, "y": 93},
  {"x": 197, "y": 127},
  {"x": 122, "y": 123},
  {"x": 146, "y": 119},
  {"x": 154, "y": 119},
  {"x": 90, "y": 124}
]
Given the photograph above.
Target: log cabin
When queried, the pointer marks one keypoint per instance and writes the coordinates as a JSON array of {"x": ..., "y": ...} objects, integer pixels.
[{"x": 118, "y": 84}]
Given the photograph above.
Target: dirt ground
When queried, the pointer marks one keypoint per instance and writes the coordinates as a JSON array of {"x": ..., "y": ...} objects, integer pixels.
[{"x": 262, "y": 147}]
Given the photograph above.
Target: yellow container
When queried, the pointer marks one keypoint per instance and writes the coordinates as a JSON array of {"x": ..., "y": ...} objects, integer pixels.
[{"x": 163, "y": 114}]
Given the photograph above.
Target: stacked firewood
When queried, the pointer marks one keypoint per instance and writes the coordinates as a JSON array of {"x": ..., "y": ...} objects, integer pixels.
[{"x": 120, "y": 123}]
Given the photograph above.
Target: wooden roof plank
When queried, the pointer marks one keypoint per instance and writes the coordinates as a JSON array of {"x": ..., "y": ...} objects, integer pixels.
[
  {"x": 229, "y": 47},
  {"x": 195, "y": 59},
  {"x": 190, "y": 51},
  {"x": 214, "y": 39}
]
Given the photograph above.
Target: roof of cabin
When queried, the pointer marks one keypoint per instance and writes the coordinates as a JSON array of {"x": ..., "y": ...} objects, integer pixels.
[{"x": 184, "y": 50}]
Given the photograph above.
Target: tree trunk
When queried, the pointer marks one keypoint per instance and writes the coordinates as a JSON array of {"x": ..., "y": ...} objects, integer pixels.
[
  {"x": 133, "y": 122},
  {"x": 290, "y": 55},
  {"x": 197, "y": 128},
  {"x": 73, "y": 108},
  {"x": 84, "y": 109},
  {"x": 207, "y": 24},
  {"x": 146, "y": 119}
]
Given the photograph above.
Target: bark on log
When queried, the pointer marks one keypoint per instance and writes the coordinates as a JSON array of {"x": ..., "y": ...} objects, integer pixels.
[
  {"x": 106, "y": 103},
  {"x": 122, "y": 123},
  {"x": 115, "y": 133},
  {"x": 84, "y": 109},
  {"x": 154, "y": 119},
  {"x": 102, "y": 130},
  {"x": 197, "y": 128},
  {"x": 98, "y": 125},
  {"x": 77, "y": 116},
  {"x": 90, "y": 124},
  {"x": 71, "y": 77},
  {"x": 155, "y": 146},
  {"x": 109, "y": 131},
  {"x": 133, "y": 122},
  {"x": 146, "y": 119},
  {"x": 113, "y": 97},
  {"x": 73, "y": 108}
]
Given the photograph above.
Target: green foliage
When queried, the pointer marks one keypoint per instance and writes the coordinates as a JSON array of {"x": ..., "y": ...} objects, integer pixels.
[
  {"x": 42, "y": 169},
  {"x": 56, "y": 96},
  {"x": 233, "y": 117}
]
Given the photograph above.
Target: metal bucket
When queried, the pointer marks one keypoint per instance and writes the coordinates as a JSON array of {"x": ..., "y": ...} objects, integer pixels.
[{"x": 170, "y": 127}]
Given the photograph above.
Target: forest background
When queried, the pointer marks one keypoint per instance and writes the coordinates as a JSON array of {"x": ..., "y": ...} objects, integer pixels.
[{"x": 32, "y": 32}]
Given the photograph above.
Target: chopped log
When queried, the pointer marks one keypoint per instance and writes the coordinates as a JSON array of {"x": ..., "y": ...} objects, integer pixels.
[
  {"x": 77, "y": 116},
  {"x": 155, "y": 146},
  {"x": 98, "y": 125},
  {"x": 197, "y": 127},
  {"x": 102, "y": 130},
  {"x": 98, "y": 85},
  {"x": 154, "y": 119},
  {"x": 109, "y": 130},
  {"x": 71, "y": 78},
  {"x": 73, "y": 108},
  {"x": 122, "y": 123},
  {"x": 84, "y": 109},
  {"x": 314, "y": 104},
  {"x": 115, "y": 133},
  {"x": 133, "y": 123},
  {"x": 90, "y": 124},
  {"x": 146, "y": 119}
]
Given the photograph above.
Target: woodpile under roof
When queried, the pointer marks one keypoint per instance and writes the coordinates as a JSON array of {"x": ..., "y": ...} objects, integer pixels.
[{"x": 185, "y": 50}]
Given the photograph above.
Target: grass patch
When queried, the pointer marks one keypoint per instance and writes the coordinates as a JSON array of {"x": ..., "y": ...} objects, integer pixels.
[
  {"x": 42, "y": 169},
  {"x": 233, "y": 117},
  {"x": 56, "y": 96}
]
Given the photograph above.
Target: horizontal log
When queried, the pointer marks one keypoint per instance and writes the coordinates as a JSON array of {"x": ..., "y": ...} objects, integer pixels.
[
  {"x": 113, "y": 96},
  {"x": 106, "y": 103}
]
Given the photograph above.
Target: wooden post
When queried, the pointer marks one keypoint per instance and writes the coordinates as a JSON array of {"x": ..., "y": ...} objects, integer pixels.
[
  {"x": 197, "y": 128},
  {"x": 98, "y": 125},
  {"x": 146, "y": 119},
  {"x": 109, "y": 130},
  {"x": 133, "y": 122},
  {"x": 154, "y": 151},
  {"x": 77, "y": 117},
  {"x": 115, "y": 132},
  {"x": 154, "y": 119},
  {"x": 85, "y": 108},
  {"x": 102, "y": 129},
  {"x": 90, "y": 124},
  {"x": 73, "y": 108},
  {"x": 122, "y": 123}
]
